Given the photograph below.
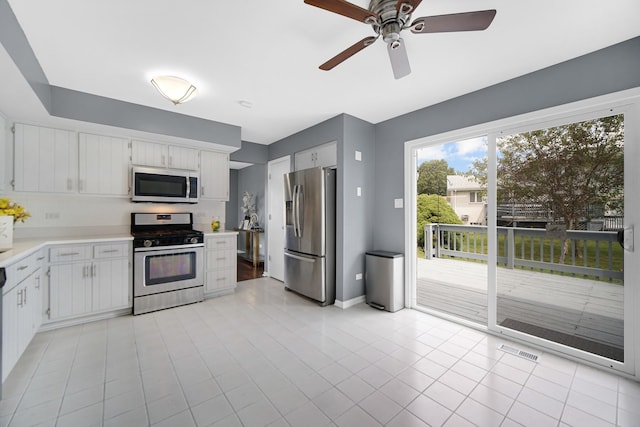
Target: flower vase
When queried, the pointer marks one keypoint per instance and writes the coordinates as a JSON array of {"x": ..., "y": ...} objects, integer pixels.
[{"x": 6, "y": 232}]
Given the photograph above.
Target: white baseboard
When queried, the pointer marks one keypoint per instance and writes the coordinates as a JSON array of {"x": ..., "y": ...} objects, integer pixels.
[{"x": 350, "y": 303}]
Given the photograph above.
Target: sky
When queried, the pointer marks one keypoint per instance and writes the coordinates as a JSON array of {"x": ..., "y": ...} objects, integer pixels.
[{"x": 459, "y": 155}]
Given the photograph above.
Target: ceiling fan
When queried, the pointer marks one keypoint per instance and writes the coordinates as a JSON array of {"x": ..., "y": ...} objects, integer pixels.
[{"x": 389, "y": 17}]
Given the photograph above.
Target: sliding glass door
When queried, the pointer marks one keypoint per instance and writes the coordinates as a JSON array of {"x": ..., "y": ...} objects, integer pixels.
[
  {"x": 533, "y": 237},
  {"x": 451, "y": 273},
  {"x": 559, "y": 213}
]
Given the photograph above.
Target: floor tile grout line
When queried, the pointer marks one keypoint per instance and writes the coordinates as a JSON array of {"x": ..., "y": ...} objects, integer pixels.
[{"x": 267, "y": 318}]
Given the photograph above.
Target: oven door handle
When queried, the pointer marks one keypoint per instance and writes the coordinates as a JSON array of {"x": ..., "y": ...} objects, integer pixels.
[{"x": 170, "y": 248}]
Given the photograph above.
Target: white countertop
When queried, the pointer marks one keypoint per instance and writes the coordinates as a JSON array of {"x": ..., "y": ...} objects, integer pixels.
[
  {"x": 22, "y": 247},
  {"x": 221, "y": 233}
]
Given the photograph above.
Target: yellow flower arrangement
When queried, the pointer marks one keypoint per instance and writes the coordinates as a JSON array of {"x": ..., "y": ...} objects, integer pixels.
[{"x": 7, "y": 207}]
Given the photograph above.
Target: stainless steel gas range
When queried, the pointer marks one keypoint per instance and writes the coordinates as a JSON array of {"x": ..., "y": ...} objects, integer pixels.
[{"x": 168, "y": 265}]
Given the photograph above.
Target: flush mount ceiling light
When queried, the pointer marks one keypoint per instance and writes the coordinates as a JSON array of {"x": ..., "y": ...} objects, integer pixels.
[{"x": 173, "y": 88}]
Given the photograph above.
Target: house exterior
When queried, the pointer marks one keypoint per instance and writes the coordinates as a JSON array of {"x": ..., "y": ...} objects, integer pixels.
[{"x": 467, "y": 198}]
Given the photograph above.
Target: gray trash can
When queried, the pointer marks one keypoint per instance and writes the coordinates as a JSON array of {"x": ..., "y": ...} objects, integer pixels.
[{"x": 384, "y": 280}]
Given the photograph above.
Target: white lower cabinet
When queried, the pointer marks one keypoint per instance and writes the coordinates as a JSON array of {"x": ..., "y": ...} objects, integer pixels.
[
  {"x": 221, "y": 274},
  {"x": 21, "y": 308},
  {"x": 88, "y": 279}
]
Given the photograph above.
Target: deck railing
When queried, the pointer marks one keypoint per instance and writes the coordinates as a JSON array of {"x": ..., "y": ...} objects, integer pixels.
[{"x": 593, "y": 254}]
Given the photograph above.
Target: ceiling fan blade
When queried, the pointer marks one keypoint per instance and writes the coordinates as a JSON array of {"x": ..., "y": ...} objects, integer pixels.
[
  {"x": 407, "y": 6},
  {"x": 467, "y": 21},
  {"x": 348, "y": 53},
  {"x": 399, "y": 59},
  {"x": 345, "y": 8}
]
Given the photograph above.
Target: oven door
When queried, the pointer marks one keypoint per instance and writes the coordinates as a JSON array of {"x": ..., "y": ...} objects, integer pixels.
[{"x": 167, "y": 268}]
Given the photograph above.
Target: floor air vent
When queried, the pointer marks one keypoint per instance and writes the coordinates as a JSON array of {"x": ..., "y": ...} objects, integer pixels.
[{"x": 519, "y": 353}]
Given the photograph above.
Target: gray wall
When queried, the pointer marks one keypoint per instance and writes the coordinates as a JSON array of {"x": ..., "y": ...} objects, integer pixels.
[
  {"x": 327, "y": 131},
  {"x": 354, "y": 229},
  {"x": 250, "y": 152},
  {"x": 606, "y": 71},
  {"x": 231, "y": 207},
  {"x": 354, "y": 214}
]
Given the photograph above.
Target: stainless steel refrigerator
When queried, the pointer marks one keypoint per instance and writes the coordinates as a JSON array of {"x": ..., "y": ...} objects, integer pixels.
[{"x": 310, "y": 233}]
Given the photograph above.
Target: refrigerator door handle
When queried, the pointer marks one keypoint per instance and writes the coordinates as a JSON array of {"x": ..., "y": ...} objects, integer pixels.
[
  {"x": 296, "y": 208},
  {"x": 300, "y": 258}
]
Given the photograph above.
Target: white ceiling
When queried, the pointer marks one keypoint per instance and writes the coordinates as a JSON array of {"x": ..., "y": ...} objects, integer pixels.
[{"x": 268, "y": 53}]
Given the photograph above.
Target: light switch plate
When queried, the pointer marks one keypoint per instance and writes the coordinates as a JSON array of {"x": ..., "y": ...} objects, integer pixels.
[
  {"x": 358, "y": 155},
  {"x": 397, "y": 203},
  {"x": 359, "y": 191}
]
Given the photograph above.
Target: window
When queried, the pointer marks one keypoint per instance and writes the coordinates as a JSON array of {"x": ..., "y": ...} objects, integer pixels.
[{"x": 475, "y": 197}]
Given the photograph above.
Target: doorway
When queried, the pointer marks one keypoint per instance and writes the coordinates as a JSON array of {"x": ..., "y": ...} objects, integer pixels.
[
  {"x": 451, "y": 226},
  {"x": 275, "y": 219}
]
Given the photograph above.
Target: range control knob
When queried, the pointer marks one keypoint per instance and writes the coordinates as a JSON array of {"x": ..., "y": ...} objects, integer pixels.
[
  {"x": 148, "y": 243},
  {"x": 192, "y": 240}
]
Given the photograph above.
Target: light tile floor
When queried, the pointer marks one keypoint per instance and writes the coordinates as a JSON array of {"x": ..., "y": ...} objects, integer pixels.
[{"x": 264, "y": 356}]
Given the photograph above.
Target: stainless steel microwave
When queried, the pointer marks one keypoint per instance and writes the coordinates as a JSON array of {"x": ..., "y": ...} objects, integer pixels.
[{"x": 164, "y": 185}]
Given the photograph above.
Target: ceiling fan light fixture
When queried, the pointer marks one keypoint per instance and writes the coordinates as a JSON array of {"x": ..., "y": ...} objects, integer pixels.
[{"x": 175, "y": 89}]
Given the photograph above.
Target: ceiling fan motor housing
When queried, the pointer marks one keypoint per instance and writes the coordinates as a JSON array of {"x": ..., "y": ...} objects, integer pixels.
[{"x": 391, "y": 20}]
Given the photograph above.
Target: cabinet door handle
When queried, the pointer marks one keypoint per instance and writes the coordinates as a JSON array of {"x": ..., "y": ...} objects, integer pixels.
[
  {"x": 22, "y": 267},
  {"x": 85, "y": 270},
  {"x": 38, "y": 281},
  {"x": 221, "y": 259},
  {"x": 69, "y": 184},
  {"x": 68, "y": 253},
  {"x": 202, "y": 190},
  {"x": 93, "y": 270},
  {"x": 40, "y": 258},
  {"x": 19, "y": 298},
  {"x": 24, "y": 293},
  {"x": 221, "y": 279},
  {"x": 109, "y": 251}
]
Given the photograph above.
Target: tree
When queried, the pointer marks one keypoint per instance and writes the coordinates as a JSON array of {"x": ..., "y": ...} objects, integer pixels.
[
  {"x": 432, "y": 177},
  {"x": 566, "y": 168},
  {"x": 433, "y": 209}
]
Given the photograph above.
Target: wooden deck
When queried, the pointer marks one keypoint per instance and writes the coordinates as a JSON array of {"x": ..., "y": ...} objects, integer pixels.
[{"x": 584, "y": 313}]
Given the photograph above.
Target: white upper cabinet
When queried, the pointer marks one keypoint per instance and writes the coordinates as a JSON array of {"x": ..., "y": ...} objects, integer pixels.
[
  {"x": 214, "y": 175},
  {"x": 325, "y": 155},
  {"x": 103, "y": 165},
  {"x": 183, "y": 158},
  {"x": 145, "y": 153},
  {"x": 46, "y": 160}
]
